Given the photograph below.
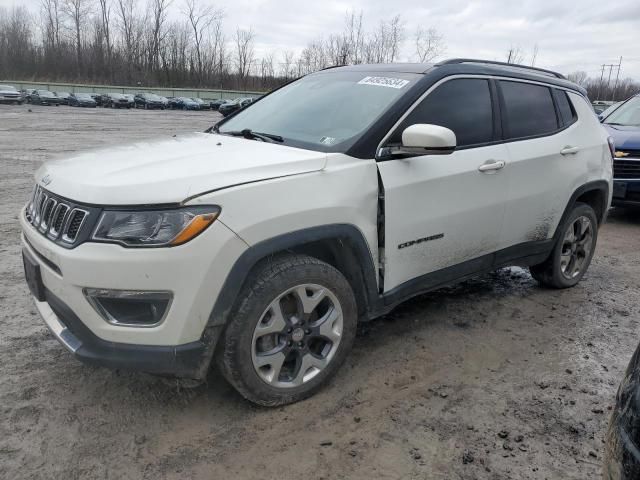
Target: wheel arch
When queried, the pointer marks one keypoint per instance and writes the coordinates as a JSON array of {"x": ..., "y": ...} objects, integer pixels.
[
  {"x": 340, "y": 245},
  {"x": 595, "y": 194}
]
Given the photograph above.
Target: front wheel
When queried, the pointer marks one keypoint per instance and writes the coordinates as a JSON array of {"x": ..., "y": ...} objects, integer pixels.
[
  {"x": 293, "y": 327},
  {"x": 572, "y": 252}
]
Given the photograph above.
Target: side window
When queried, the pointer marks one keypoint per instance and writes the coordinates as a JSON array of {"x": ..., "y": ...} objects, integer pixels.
[
  {"x": 567, "y": 113},
  {"x": 529, "y": 109},
  {"x": 462, "y": 105}
]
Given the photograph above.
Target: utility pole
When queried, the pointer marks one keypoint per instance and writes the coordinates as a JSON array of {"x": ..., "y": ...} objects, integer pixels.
[
  {"x": 600, "y": 84},
  {"x": 610, "y": 66},
  {"x": 615, "y": 86}
]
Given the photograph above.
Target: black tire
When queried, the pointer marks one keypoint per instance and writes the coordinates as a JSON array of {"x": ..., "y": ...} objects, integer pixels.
[
  {"x": 550, "y": 273},
  {"x": 267, "y": 282}
]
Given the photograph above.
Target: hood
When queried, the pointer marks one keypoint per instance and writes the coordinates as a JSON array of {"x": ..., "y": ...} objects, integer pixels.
[
  {"x": 625, "y": 137},
  {"x": 8, "y": 91},
  {"x": 172, "y": 170}
]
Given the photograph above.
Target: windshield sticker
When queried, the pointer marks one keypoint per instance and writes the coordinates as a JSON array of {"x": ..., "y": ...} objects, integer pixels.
[
  {"x": 327, "y": 140},
  {"x": 384, "y": 82}
]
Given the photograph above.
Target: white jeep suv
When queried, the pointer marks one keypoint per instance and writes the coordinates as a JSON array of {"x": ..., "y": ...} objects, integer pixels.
[{"x": 263, "y": 241}]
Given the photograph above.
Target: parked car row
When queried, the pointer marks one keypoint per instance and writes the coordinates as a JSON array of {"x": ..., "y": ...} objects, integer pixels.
[{"x": 147, "y": 101}]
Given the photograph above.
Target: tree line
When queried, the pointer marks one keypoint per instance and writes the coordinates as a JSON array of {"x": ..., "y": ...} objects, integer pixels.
[
  {"x": 604, "y": 88},
  {"x": 129, "y": 42},
  {"x": 187, "y": 43}
]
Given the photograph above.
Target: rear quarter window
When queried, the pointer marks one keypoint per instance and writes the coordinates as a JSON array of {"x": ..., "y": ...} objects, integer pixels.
[
  {"x": 565, "y": 109},
  {"x": 529, "y": 109}
]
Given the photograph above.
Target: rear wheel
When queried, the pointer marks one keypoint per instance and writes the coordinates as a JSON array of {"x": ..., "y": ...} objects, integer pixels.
[
  {"x": 292, "y": 329},
  {"x": 573, "y": 251}
]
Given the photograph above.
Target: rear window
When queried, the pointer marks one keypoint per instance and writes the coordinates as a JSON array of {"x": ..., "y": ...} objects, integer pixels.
[
  {"x": 529, "y": 109},
  {"x": 567, "y": 114}
]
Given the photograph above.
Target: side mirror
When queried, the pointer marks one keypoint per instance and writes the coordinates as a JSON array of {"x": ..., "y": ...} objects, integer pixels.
[
  {"x": 428, "y": 137},
  {"x": 423, "y": 139},
  {"x": 600, "y": 117}
]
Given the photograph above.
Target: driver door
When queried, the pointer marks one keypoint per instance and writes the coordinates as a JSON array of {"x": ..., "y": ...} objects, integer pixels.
[{"x": 446, "y": 210}]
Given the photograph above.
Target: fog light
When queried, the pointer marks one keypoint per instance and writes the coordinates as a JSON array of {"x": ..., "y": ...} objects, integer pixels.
[{"x": 129, "y": 308}]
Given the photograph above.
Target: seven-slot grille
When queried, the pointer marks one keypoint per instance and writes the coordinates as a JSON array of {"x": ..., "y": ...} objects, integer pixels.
[
  {"x": 627, "y": 167},
  {"x": 56, "y": 218}
]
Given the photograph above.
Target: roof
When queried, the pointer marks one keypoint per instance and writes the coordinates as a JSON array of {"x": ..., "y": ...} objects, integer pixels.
[{"x": 458, "y": 66}]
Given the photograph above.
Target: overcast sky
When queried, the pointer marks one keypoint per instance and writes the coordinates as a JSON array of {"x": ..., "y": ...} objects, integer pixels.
[{"x": 571, "y": 35}]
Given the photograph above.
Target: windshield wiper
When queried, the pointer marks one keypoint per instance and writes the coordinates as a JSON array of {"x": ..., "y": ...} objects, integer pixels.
[{"x": 251, "y": 135}]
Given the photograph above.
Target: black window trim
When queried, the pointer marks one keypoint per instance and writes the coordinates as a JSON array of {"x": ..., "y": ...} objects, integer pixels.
[{"x": 499, "y": 118}]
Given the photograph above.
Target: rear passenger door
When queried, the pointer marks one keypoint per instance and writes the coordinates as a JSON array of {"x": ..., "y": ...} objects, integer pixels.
[
  {"x": 441, "y": 210},
  {"x": 540, "y": 135}
]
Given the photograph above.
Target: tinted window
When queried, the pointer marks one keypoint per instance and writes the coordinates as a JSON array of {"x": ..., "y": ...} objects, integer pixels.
[
  {"x": 529, "y": 109},
  {"x": 567, "y": 115},
  {"x": 463, "y": 106}
]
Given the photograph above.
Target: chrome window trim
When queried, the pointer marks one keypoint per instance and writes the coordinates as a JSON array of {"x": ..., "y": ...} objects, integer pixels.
[{"x": 415, "y": 104}]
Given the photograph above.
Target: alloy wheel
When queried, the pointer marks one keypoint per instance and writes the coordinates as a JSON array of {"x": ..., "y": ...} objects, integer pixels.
[
  {"x": 297, "y": 336},
  {"x": 576, "y": 247}
]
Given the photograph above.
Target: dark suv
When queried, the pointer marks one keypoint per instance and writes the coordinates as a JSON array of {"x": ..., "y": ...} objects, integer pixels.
[
  {"x": 115, "y": 100},
  {"x": 148, "y": 101},
  {"x": 624, "y": 126}
]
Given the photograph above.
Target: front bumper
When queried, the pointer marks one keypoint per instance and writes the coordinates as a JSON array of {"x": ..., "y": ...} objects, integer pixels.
[
  {"x": 190, "y": 360},
  {"x": 626, "y": 193},
  {"x": 194, "y": 273}
]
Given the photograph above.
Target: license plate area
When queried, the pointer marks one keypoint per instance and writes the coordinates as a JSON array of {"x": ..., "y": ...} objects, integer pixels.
[{"x": 33, "y": 276}]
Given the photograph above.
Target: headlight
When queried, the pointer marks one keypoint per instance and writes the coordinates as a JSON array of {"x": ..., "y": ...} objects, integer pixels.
[{"x": 154, "y": 228}]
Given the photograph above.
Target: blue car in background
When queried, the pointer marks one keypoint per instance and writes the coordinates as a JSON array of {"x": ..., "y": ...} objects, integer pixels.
[{"x": 623, "y": 125}]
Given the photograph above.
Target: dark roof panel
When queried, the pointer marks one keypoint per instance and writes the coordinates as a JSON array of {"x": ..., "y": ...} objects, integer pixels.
[{"x": 461, "y": 66}]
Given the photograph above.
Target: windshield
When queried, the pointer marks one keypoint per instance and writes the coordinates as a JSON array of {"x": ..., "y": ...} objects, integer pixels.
[
  {"x": 151, "y": 96},
  {"x": 627, "y": 114},
  {"x": 83, "y": 96},
  {"x": 326, "y": 111},
  {"x": 45, "y": 93}
]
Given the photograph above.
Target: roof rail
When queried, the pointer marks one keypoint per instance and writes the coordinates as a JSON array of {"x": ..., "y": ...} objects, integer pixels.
[{"x": 502, "y": 64}]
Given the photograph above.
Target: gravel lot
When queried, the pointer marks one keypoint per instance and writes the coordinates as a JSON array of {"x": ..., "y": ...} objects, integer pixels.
[{"x": 495, "y": 378}]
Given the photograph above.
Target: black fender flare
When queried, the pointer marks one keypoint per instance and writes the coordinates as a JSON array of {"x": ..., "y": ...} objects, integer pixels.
[{"x": 348, "y": 234}]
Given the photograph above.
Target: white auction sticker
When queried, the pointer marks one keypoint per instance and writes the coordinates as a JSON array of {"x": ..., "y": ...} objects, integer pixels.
[{"x": 384, "y": 82}]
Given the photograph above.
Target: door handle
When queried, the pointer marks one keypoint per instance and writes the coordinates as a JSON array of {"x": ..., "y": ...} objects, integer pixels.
[
  {"x": 568, "y": 150},
  {"x": 491, "y": 166}
]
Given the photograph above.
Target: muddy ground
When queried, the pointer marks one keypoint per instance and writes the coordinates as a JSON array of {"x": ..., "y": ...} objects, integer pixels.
[{"x": 493, "y": 379}]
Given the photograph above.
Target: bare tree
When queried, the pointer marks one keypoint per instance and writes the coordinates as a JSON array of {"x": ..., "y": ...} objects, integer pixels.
[
  {"x": 158, "y": 10},
  {"x": 354, "y": 38},
  {"x": 201, "y": 18},
  {"x": 244, "y": 54},
  {"x": 534, "y": 55},
  {"x": 105, "y": 20},
  {"x": 429, "y": 44},
  {"x": 52, "y": 22},
  {"x": 515, "y": 55},
  {"x": 579, "y": 78},
  {"x": 77, "y": 11},
  {"x": 287, "y": 62}
]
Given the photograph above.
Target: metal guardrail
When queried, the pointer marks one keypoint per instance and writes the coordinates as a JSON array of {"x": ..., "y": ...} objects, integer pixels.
[{"x": 208, "y": 94}]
